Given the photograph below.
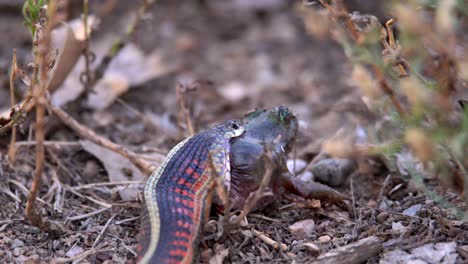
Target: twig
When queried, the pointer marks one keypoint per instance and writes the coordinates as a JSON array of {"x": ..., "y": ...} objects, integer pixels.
[
  {"x": 25, "y": 190},
  {"x": 9, "y": 193},
  {"x": 83, "y": 216},
  {"x": 85, "y": 254},
  {"x": 49, "y": 144},
  {"x": 87, "y": 197},
  {"x": 12, "y": 148},
  {"x": 103, "y": 230},
  {"x": 259, "y": 216},
  {"x": 89, "y": 134},
  {"x": 269, "y": 241},
  {"x": 382, "y": 189},
  {"x": 127, "y": 220},
  {"x": 99, "y": 184},
  {"x": 122, "y": 242}
]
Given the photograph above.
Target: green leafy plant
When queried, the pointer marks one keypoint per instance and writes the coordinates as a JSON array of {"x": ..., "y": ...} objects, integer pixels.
[{"x": 31, "y": 13}]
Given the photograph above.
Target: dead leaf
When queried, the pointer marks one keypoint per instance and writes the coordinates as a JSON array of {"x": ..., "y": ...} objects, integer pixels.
[
  {"x": 118, "y": 168},
  {"x": 69, "y": 40},
  {"x": 131, "y": 67}
]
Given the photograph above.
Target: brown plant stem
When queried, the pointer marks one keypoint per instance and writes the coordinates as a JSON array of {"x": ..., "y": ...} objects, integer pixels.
[{"x": 40, "y": 101}]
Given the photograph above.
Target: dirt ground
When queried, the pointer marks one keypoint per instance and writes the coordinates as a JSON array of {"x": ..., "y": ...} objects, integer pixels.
[{"x": 243, "y": 58}]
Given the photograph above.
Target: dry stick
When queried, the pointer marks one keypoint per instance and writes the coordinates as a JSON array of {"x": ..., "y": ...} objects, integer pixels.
[
  {"x": 269, "y": 241},
  {"x": 83, "y": 216},
  {"x": 99, "y": 184},
  {"x": 382, "y": 189},
  {"x": 103, "y": 230},
  {"x": 56, "y": 144},
  {"x": 85, "y": 254},
  {"x": 12, "y": 148},
  {"x": 89, "y": 134}
]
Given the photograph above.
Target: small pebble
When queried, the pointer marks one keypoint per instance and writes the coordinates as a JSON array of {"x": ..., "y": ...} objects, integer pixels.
[
  {"x": 324, "y": 239},
  {"x": 296, "y": 166},
  {"x": 413, "y": 210},
  {"x": 91, "y": 169},
  {"x": 17, "y": 243},
  {"x": 18, "y": 251},
  {"x": 312, "y": 248},
  {"x": 303, "y": 228},
  {"x": 6, "y": 240},
  {"x": 382, "y": 217},
  {"x": 399, "y": 227},
  {"x": 306, "y": 176},
  {"x": 333, "y": 172}
]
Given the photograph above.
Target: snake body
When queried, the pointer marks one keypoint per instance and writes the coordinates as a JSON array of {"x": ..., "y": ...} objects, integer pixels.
[{"x": 177, "y": 195}]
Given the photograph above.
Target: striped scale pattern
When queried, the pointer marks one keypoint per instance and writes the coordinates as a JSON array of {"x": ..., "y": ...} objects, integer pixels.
[{"x": 176, "y": 198}]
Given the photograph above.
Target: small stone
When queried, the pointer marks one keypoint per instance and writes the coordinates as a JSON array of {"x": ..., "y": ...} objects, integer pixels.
[
  {"x": 17, "y": 243},
  {"x": 306, "y": 176},
  {"x": 312, "y": 248},
  {"x": 324, "y": 239},
  {"x": 303, "y": 228},
  {"x": 75, "y": 250},
  {"x": 399, "y": 227},
  {"x": 34, "y": 230},
  {"x": 295, "y": 166},
  {"x": 413, "y": 210},
  {"x": 91, "y": 169},
  {"x": 334, "y": 172},
  {"x": 34, "y": 257},
  {"x": 382, "y": 217},
  {"x": 18, "y": 251},
  {"x": 6, "y": 240}
]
